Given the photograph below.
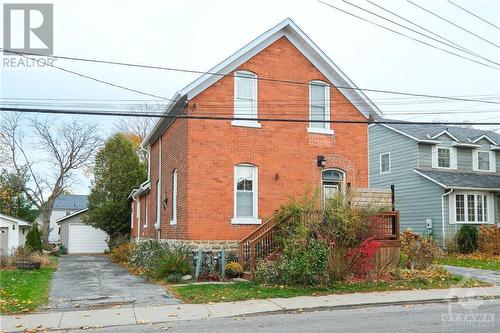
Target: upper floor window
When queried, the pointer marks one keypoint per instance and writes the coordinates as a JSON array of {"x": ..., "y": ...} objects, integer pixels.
[
  {"x": 245, "y": 194},
  {"x": 483, "y": 160},
  {"x": 174, "y": 197},
  {"x": 444, "y": 157},
  {"x": 319, "y": 107},
  {"x": 245, "y": 99},
  {"x": 385, "y": 163}
]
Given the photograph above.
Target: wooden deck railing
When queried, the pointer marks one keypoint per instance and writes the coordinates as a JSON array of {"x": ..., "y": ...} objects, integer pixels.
[{"x": 386, "y": 226}]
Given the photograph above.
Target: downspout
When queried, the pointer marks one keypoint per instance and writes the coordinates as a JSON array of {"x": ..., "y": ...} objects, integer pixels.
[
  {"x": 442, "y": 212},
  {"x": 138, "y": 221},
  {"x": 158, "y": 227}
]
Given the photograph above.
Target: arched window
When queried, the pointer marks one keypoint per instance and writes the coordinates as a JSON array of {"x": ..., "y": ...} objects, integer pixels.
[
  {"x": 332, "y": 180},
  {"x": 319, "y": 107},
  {"x": 245, "y": 98},
  {"x": 245, "y": 194}
]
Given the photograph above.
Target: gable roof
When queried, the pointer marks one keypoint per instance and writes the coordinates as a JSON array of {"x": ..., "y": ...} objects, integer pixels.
[
  {"x": 288, "y": 29},
  {"x": 62, "y": 219},
  {"x": 429, "y": 133},
  {"x": 462, "y": 180},
  {"x": 71, "y": 201},
  {"x": 15, "y": 220}
]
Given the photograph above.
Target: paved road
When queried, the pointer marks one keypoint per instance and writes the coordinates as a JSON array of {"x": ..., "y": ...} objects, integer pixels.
[
  {"x": 417, "y": 318},
  {"x": 476, "y": 273},
  {"x": 93, "y": 281}
]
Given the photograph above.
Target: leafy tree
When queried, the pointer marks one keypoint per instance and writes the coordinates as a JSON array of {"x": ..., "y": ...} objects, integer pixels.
[
  {"x": 117, "y": 170},
  {"x": 34, "y": 239},
  {"x": 13, "y": 201}
]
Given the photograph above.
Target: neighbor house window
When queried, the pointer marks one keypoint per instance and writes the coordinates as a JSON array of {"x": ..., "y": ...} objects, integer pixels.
[
  {"x": 385, "y": 163},
  {"x": 174, "y": 198},
  {"x": 444, "y": 157},
  {"x": 245, "y": 194},
  {"x": 484, "y": 160},
  {"x": 319, "y": 107},
  {"x": 158, "y": 201},
  {"x": 471, "y": 208},
  {"x": 245, "y": 99}
]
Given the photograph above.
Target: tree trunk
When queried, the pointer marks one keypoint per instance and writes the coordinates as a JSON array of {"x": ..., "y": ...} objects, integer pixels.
[{"x": 45, "y": 225}]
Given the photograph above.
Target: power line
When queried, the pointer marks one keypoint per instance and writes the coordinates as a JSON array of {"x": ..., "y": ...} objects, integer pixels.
[
  {"x": 405, "y": 35},
  {"x": 471, "y": 13},
  {"x": 258, "y": 78},
  {"x": 205, "y": 117},
  {"x": 461, "y": 49},
  {"x": 455, "y": 25},
  {"x": 421, "y": 27}
]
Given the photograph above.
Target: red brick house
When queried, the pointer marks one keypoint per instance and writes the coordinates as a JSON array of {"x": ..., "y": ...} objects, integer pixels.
[{"x": 211, "y": 182}]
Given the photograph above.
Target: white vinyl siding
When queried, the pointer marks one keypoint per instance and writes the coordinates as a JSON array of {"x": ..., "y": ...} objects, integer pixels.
[
  {"x": 319, "y": 107},
  {"x": 385, "y": 163},
  {"x": 245, "y": 195},
  {"x": 174, "y": 198},
  {"x": 483, "y": 160},
  {"x": 471, "y": 207},
  {"x": 444, "y": 157},
  {"x": 245, "y": 99}
]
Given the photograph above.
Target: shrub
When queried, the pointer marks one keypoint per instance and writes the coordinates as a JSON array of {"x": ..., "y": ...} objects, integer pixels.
[
  {"x": 451, "y": 244},
  {"x": 34, "y": 239},
  {"x": 467, "y": 239},
  {"x": 21, "y": 253},
  {"x": 418, "y": 252},
  {"x": 233, "y": 269},
  {"x": 488, "y": 239},
  {"x": 267, "y": 272},
  {"x": 362, "y": 258},
  {"x": 5, "y": 261},
  {"x": 121, "y": 253},
  {"x": 144, "y": 252},
  {"x": 42, "y": 259},
  {"x": 118, "y": 241},
  {"x": 174, "y": 259}
]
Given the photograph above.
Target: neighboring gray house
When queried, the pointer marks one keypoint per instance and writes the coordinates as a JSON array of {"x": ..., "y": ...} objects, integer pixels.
[
  {"x": 64, "y": 205},
  {"x": 444, "y": 176}
]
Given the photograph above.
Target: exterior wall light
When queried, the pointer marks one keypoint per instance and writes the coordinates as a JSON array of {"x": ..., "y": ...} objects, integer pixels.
[{"x": 321, "y": 161}]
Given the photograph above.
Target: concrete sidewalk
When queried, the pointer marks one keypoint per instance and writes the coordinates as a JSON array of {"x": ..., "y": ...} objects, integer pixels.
[{"x": 167, "y": 313}]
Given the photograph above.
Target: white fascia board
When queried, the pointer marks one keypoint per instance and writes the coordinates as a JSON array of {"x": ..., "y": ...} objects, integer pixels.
[
  {"x": 408, "y": 135},
  {"x": 466, "y": 145},
  {"x": 485, "y": 136},
  {"x": 429, "y": 178},
  {"x": 169, "y": 106},
  {"x": 15, "y": 220},
  {"x": 446, "y": 133},
  {"x": 58, "y": 221}
]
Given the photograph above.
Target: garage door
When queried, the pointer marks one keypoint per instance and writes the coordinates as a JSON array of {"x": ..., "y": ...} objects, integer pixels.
[{"x": 86, "y": 239}]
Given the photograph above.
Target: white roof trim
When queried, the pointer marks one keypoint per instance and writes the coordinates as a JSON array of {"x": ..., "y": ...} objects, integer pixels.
[
  {"x": 303, "y": 43},
  {"x": 15, "y": 220},
  {"x": 463, "y": 144},
  {"x": 431, "y": 179},
  {"x": 58, "y": 221},
  {"x": 485, "y": 136},
  {"x": 447, "y": 133},
  {"x": 408, "y": 135}
]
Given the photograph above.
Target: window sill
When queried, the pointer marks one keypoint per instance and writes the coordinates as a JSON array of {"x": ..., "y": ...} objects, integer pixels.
[
  {"x": 245, "y": 220},
  {"x": 246, "y": 123},
  {"x": 462, "y": 222},
  {"x": 173, "y": 222},
  {"x": 326, "y": 131}
]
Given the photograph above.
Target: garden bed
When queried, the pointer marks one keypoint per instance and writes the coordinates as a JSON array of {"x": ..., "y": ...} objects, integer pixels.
[{"x": 405, "y": 280}]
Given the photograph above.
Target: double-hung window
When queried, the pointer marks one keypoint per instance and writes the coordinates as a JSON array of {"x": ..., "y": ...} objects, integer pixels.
[
  {"x": 471, "y": 208},
  {"x": 245, "y": 194},
  {"x": 174, "y": 197},
  {"x": 484, "y": 160},
  {"x": 444, "y": 157},
  {"x": 385, "y": 163},
  {"x": 319, "y": 107},
  {"x": 245, "y": 99}
]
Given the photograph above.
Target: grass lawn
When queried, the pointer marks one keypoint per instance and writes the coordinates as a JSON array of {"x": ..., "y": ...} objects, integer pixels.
[
  {"x": 205, "y": 293},
  {"x": 24, "y": 290},
  {"x": 472, "y": 260}
]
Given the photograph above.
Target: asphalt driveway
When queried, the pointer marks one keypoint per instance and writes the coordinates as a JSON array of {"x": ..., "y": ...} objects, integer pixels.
[
  {"x": 476, "y": 273},
  {"x": 93, "y": 281}
]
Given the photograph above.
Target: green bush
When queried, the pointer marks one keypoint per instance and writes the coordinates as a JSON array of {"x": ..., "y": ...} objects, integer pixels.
[
  {"x": 34, "y": 239},
  {"x": 467, "y": 239},
  {"x": 145, "y": 252},
  {"x": 267, "y": 272}
]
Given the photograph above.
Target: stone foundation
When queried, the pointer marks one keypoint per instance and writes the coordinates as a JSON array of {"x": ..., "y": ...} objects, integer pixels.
[{"x": 206, "y": 245}]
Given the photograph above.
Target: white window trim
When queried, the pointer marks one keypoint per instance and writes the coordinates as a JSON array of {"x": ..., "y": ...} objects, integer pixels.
[
  {"x": 475, "y": 160},
  {"x": 453, "y": 157},
  {"x": 326, "y": 129},
  {"x": 132, "y": 215},
  {"x": 246, "y": 123},
  {"x": 490, "y": 207},
  {"x": 173, "y": 221},
  {"x": 380, "y": 163},
  {"x": 255, "y": 185}
]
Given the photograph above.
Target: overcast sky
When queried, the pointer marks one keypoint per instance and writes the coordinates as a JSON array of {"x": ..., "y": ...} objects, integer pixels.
[{"x": 199, "y": 34}]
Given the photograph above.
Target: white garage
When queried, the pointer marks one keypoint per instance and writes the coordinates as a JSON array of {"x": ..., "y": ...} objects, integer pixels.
[{"x": 78, "y": 237}]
